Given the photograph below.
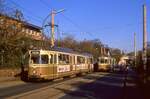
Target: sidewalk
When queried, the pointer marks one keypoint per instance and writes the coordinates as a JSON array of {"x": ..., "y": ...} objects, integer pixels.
[
  {"x": 131, "y": 88},
  {"x": 9, "y": 74},
  {"x": 145, "y": 88},
  {"x": 6, "y": 79},
  {"x": 141, "y": 88}
]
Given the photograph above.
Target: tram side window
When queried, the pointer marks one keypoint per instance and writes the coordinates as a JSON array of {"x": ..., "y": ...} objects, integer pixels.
[
  {"x": 63, "y": 59},
  {"x": 74, "y": 59},
  {"x": 88, "y": 60},
  {"x": 70, "y": 60},
  {"x": 102, "y": 61},
  {"x": 80, "y": 60},
  {"x": 91, "y": 60},
  {"x": 67, "y": 59},
  {"x": 44, "y": 59},
  {"x": 35, "y": 58},
  {"x": 60, "y": 58},
  {"x": 73, "y": 62},
  {"x": 55, "y": 58},
  {"x": 51, "y": 59}
]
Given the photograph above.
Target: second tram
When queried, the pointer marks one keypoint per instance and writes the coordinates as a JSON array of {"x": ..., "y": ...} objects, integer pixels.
[{"x": 104, "y": 63}]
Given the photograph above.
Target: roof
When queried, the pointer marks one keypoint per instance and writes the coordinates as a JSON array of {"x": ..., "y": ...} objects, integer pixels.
[
  {"x": 33, "y": 26},
  {"x": 68, "y": 50},
  {"x": 24, "y": 22},
  {"x": 61, "y": 49}
]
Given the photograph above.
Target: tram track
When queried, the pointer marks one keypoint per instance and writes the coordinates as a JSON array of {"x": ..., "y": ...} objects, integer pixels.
[{"x": 29, "y": 86}]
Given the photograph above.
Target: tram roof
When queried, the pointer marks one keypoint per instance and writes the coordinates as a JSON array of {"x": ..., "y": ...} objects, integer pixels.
[
  {"x": 68, "y": 50},
  {"x": 61, "y": 49}
]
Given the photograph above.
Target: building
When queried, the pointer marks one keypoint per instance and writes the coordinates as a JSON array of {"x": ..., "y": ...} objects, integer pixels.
[
  {"x": 32, "y": 31},
  {"x": 27, "y": 29}
]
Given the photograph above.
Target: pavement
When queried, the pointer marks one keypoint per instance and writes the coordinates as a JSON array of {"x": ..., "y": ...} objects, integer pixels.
[
  {"x": 145, "y": 88},
  {"x": 7, "y": 79}
]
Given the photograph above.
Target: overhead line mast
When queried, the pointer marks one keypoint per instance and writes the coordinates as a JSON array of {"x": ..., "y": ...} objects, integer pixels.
[
  {"x": 53, "y": 13},
  {"x": 144, "y": 40},
  {"x": 52, "y": 28},
  {"x": 135, "y": 53}
]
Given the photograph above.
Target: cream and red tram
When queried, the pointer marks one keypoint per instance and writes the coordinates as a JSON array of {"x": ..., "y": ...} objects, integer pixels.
[{"x": 57, "y": 62}]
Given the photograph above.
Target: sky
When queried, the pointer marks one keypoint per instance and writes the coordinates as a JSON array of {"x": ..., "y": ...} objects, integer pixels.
[{"x": 113, "y": 22}]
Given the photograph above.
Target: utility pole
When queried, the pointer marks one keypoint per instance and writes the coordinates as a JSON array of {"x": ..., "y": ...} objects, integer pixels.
[
  {"x": 52, "y": 28},
  {"x": 53, "y": 13},
  {"x": 144, "y": 41},
  {"x": 101, "y": 50},
  {"x": 135, "y": 49},
  {"x": 52, "y": 25}
]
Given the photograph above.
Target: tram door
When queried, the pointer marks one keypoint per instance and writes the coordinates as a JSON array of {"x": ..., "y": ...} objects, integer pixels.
[{"x": 51, "y": 65}]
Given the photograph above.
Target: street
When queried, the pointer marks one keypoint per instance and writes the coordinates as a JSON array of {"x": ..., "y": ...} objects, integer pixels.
[
  {"x": 75, "y": 49},
  {"x": 92, "y": 86}
]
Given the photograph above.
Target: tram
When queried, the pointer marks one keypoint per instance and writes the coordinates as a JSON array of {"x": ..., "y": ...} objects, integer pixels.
[
  {"x": 56, "y": 63},
  {"x": 104, "y": 63}
]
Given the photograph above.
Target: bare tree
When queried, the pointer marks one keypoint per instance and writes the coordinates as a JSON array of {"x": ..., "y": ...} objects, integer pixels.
[{"x": 10, "y": 35}]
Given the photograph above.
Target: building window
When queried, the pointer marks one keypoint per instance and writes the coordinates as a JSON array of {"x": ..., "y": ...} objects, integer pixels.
[
  {"x": 27, "y": 31},
  {"x": 31, "y": 32},
  {"x": 23, "y": 29}
]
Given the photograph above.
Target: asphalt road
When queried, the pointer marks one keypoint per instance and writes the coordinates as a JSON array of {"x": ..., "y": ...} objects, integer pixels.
[{"x": 91, "y": 86}]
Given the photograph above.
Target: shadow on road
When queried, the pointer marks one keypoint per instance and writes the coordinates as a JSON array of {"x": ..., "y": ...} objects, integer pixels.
[
  {"x": 110, "y": 86},
  {"x": 25, "y": 87}
]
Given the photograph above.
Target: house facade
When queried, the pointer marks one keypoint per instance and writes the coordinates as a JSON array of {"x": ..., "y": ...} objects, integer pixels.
[{"x": 24, "y": 28}]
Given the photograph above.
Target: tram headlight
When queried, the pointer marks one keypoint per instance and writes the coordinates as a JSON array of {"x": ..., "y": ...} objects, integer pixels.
[{"x": 34, "y": 72}]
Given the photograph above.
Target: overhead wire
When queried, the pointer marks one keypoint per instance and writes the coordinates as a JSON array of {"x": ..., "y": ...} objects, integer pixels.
[
  {"x": 76, "y": 25},
  {"x": 26, "y": 10},
  {"x": 10, "y": 9},
  {"x": 45, "y": 4}
]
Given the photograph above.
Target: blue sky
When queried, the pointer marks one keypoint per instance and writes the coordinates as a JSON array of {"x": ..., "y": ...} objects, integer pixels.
[{"x": 111, "y": 21}]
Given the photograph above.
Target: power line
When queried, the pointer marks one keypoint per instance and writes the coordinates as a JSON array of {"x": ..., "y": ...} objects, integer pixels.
[
  {"x": 11, "y": 9},
  {"x": 71, "y": 22},
  {"x": 76, "y": 25},
  {"x": 28, "y": 11},
  {"x": 45, "y": 4}
]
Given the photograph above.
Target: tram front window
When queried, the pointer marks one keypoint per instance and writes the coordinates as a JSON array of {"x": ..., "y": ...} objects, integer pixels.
[
  {"x": 44, "y": 59},
  {"x": 35, "y": 58},
  {"x": 102, "y": 61},
  {"x": 106, "y": 61}
]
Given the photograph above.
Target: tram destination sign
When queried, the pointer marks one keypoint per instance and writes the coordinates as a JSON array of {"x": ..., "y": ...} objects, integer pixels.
[{"x": 35, "y": 52}]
